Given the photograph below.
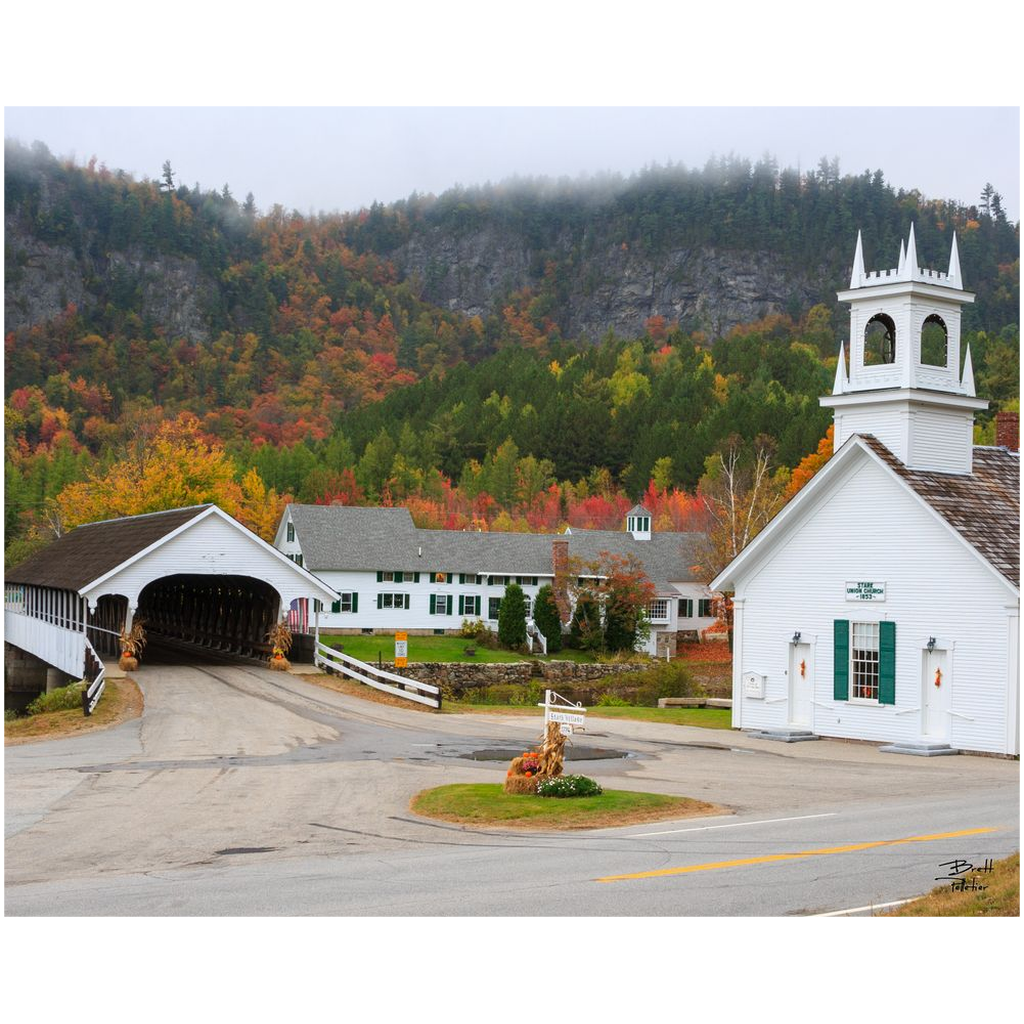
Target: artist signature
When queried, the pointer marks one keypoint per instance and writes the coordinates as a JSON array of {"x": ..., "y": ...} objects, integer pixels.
[{"x": 962, "y": 875}]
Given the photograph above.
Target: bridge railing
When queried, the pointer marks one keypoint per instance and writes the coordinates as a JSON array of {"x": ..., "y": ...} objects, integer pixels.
[
  {"x": 95, "y": 677},
  {"x": 410, "y": 689}
]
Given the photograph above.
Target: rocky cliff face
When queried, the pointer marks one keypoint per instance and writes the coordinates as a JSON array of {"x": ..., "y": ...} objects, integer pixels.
[
  {"x": 613, "y": 287},
  {"x": 43, "y": 278}
]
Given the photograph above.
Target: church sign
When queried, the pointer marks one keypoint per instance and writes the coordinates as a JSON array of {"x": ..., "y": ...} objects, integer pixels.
[{"x": 858, "y": 591}]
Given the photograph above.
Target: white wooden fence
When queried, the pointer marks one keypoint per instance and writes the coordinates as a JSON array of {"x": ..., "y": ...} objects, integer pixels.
[
  {"x": 410, "y": 689},
  {"x": 92, "y": 693}
]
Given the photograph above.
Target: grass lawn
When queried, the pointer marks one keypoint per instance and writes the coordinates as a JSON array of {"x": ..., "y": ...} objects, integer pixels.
[
  {"x": 121, "y": 701},
  {"x": 705, "y": 718},
  {"x": 434, "y": 648},
  {"x": 489, "y": 804},
  {"x": 1000, "y": 898}
]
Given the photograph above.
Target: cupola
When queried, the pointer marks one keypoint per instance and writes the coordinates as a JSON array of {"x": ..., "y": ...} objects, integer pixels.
[
  {"x": 638, "y": 522},
  {"x": 904, "y": 384}
]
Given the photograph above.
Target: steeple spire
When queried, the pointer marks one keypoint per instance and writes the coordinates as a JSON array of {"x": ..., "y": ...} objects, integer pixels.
[
  {"x": 839, "y": 387},
  {"x": 967, "y": 380},
  {"x": 903, "y": 260},
  {"x": 911, "y": 261},
  {"x": 857, "y": 277},
  {"x": 954, "y": 265}
]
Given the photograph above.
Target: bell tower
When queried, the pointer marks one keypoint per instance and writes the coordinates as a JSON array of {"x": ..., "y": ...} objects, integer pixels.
[{"x": 904, "y": 383}]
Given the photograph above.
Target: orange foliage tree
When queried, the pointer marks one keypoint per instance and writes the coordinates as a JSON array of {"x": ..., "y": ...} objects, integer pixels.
[{"x": 810, "y": 464}]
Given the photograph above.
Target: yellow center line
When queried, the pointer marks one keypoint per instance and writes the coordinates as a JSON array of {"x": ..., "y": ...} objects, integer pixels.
[{"x": 770, "y": 858}]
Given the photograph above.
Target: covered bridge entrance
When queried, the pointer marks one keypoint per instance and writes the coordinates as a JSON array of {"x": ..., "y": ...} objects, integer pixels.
[{"x": 195, "y": 577}]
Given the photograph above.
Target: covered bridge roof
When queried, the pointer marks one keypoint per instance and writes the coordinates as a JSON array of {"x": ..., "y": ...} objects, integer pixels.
[{"x": 90, "y": 551}]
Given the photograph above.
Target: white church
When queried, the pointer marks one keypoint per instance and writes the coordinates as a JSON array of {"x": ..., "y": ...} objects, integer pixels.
[{"x": 883, "y": 602}]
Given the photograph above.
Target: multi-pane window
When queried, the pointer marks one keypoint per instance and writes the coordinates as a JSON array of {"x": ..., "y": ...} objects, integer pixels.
[
  {"x": 493, "y": 607},
  {"x": 704, "y": 608},
  {"x": 297, "y": 559},
  {"x": 529, "y": 606},
  {"x": 348, "y": 603},
  {"x": 392, "y": 600},
  {"x": 398, "y": 577},
  {"x": 526, "y": 581},
  {"x": 497, "y": 581},
  {"x": 443, "y": 577},
  {"x": 440, "y": 604},
  {"x": 468, "y": 577},
  {"x": 469, "y": 604},
  {"x": 290, "y": 531},
  {"x": 864, "y": 660},
  {"x": 686, "y": 608},
  {"x": 658, "y": 611}
]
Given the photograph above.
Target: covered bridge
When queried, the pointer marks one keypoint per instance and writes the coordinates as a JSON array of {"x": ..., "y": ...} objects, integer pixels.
[{"x": 195, "y": 575}]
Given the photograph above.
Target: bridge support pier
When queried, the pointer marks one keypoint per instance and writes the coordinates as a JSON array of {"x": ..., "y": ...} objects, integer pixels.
[{"x": 25, "y": 677}]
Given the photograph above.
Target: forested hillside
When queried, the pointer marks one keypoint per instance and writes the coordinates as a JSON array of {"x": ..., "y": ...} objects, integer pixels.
[{"x": 519, "y": 355}]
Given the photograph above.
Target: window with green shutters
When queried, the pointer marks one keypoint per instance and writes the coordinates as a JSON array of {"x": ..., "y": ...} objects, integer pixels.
[
  {"x": 469, "y": 604},
  {"x": 440, "y": 604},
  {"x": 468, "y": 577},
  {"x": 395, "y": 601},
  {"x": 348, "y": 603},
  {"x": 704, "y": 608},
  {"x": 493, "y": 607},
  {"x": 864, "y": 661},
  {"x": 686, "y": 608},
  {"x": 290, "y": 532}
]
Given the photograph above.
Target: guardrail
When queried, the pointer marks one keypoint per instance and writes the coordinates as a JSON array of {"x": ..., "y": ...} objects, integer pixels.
[
  {"x": 95, "y": 673},
  {"x": 336, "y": 661}
]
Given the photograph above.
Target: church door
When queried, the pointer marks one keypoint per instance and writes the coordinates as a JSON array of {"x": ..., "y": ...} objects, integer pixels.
[
  {"x": 936, "y": 702},
  {"x": 801, "y": 684}
]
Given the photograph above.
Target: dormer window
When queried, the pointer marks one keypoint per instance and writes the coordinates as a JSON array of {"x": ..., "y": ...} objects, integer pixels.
[{"x": 290, "y": 531}]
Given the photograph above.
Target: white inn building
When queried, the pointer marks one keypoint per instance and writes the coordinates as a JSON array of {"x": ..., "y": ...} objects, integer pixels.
[
  {"x": 392, "y": 575},
  {"x": 883, "y": 602}
]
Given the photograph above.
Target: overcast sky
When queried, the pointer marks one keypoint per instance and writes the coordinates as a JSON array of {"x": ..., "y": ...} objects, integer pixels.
[{"x": 342, "y": 158}]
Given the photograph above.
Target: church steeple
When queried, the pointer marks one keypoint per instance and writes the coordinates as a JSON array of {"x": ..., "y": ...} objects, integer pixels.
[{"x": 904, "y": 382}]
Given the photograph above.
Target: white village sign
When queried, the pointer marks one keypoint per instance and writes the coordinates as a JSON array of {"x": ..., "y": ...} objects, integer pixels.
[{"x": 569, "y": 716}]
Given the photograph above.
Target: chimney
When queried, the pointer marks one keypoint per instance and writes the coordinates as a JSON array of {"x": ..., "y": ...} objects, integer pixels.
[
  {"x": 560, "y": 567},
  {"x": 1008, "y": 430}
]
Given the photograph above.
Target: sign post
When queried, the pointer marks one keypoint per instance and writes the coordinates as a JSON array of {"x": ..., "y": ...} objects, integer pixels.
[
  {"x": 569, "y": 716},
  {"x": 401, "y": 650}
]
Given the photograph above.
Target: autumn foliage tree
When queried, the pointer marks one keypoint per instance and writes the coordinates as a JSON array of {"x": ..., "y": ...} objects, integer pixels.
[{"x": 810, "y": 464}]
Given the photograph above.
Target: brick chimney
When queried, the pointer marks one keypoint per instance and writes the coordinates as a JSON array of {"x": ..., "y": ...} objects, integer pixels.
[
  {"x": 1008, "y": 430},
  {"x": 560, "y": 567}
]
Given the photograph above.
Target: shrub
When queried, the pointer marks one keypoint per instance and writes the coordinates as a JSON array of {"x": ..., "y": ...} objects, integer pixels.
[
  {"x": 64, "y": 698},
  {"x": 585, "y": 630},
  {"x": 514, "y": 694},
  {"x": 610, "y": 700},
  {"x": 547, "y": 617},
  {"x": 666, "y": 679},
  {"x": 512, "y": 617},
  {"x": 477, "y": 630},
  {"x": 568, "y": 785},
  {"x": 10, "y": 715}
]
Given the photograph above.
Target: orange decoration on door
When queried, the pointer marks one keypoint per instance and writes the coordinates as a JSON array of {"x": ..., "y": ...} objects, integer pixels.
[
  {"x": 938, "y": 677},
  {"x": 803, "y": 669}
]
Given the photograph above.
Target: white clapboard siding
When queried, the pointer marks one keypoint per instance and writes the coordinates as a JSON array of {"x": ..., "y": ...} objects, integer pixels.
[
  {"x": 63, "y": 648},
  {"x": 869, "y": 527}
]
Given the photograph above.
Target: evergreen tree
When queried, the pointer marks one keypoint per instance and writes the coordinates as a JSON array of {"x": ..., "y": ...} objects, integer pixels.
[
  {"x": 512, "y": 617},
  {"x": 549, "y": 622}
]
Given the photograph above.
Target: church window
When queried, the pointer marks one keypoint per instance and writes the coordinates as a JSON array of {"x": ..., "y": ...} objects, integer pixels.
[
  {"x": 879, "y": 341},
  {"x": 934, "y": 342},
  {"x": 864, "y": 660}
]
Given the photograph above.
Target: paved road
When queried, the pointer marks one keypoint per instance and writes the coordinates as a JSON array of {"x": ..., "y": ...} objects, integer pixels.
[{"x": 243, "y": 791}]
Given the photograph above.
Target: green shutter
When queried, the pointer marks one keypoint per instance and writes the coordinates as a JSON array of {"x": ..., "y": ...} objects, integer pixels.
[
  {"x": 462, "y": 578},
  {"x": 415, "y": 577},
  {"x": 433, "y": 604},
  {"x": 887, "y": 663},
  {"x": 406, "y": 602},
  {"x": 462, "y": 604},
  {"x": 380, "y": 578},
  {"x": 448, "y": 605},
  {"x": 380, "y": 600},
  {"x": 841, "y": 659},
  {"x": 355, "y": 602},
  {"x": 335, "y": 607}
]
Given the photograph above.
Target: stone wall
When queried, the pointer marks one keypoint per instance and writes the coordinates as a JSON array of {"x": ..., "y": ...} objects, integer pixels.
[{"x": 460, "y": 676}]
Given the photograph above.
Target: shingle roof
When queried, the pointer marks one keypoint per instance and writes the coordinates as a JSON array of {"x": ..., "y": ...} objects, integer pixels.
[
  {"x": 90, "y": 551},
  {"x": 638, "y": 510},
  {"x": 346, "y": 538},
  {"x": 983, "y": 506}
]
